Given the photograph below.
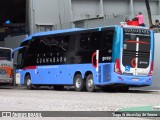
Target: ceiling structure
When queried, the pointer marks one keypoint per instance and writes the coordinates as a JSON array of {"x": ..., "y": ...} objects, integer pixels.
[{"x": 13, "y": 10}]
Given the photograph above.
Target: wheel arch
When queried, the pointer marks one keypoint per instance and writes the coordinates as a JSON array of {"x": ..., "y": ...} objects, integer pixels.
[
  {"x": 77, "y": 72},
  {"x": 84, "y": 75},
  {"x": 26, "y": 74},
  {"x": 87, "y": 73}
]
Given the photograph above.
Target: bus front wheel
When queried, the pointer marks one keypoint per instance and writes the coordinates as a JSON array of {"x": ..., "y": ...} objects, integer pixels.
[
  {"x": 90, "y": 83},
  {"x": 79, "y": 83},
  {"x": 28, "y": 82}
]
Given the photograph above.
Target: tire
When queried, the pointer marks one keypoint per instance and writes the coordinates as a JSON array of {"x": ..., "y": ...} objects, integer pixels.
[
  {"x": 90, "y": 83},
  {"x": 79, "y": 83},
  {"x": 28, "y": 82},
  {"x": 58, "y": 87}
]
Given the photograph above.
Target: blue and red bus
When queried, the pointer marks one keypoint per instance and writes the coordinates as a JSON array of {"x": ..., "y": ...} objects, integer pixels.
[
  {"x": 111, "y": 56},
  {"x": 6, "y": 66}
]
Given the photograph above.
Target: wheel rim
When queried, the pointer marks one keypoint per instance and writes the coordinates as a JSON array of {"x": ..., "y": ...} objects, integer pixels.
[
  {"x": 28, "y": 82},
  {"x": 78, "y": 83},
  {"x": 90, "y": 83}
]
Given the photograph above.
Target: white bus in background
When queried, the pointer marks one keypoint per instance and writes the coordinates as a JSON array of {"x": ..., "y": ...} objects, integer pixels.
[{"x": 6, "y": 66}]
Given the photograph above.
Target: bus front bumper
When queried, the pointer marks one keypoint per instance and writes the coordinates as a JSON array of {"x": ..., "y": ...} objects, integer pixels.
[
  {"x": 132, "y": 80},
  {"x": 6, "y": 81}
]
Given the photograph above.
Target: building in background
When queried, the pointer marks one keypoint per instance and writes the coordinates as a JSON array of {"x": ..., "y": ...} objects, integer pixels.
[
  {"x": 44, "y": 15},
  {"x": 12, "y": 19},
  {"x": 30, "y": 16}
]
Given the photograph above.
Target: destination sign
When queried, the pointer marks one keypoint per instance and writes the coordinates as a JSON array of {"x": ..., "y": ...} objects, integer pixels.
[{"x": 136, "y": 31}]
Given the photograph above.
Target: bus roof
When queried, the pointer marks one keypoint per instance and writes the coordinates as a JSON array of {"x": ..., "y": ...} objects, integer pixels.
[
  {"x": 60, "y": 31},
  {"x": 52, "y": 33},
  {"x": 72, "y": 30}
]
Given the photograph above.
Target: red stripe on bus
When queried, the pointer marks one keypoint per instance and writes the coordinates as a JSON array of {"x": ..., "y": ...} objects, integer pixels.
[
  {"x": 133, "y": 63},
  {"x": 94, "y": 55},
  {"x": 29, "y": 67},
  {"x": 133, "y": 41}
]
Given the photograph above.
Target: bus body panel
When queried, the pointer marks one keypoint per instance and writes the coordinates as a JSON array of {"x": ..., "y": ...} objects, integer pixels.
[
  {"x": 64, "y": 74},
  {"x": 55, "y": 74},
  {"x": 131, "y": 80}
]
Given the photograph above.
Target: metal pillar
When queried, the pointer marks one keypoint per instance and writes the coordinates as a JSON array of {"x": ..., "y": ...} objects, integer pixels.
[
  {"x": 158, "y": 7},
  {"x": 101, "y": 8},
  {"x": 31, "y": 16},
  {"x": 131, "y": 9}
]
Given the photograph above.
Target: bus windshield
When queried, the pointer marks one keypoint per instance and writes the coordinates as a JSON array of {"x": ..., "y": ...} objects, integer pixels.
[
  {"x": 136, "y": 47},
  {"x": 5, "y": 54},
  {"x": 134, "y": 37}
]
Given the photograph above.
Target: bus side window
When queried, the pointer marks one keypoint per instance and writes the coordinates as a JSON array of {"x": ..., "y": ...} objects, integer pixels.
[
  {"x": 33, "y": 50},
  {"x": 38, "y": 46},
  {"x": 57, "y": 46},
  {"x": 19, "y": 59},
  {"x": 71, "y": 41},
  {"x": 107, "y": 39},
  {"x": 85, "y": 41},
  {"x": 95, "y": 41},
  {"x": 65, "y": 42}
]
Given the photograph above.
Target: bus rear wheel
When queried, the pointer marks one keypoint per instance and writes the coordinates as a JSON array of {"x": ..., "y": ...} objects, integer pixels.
[
  {"x": 28, "y": 82},
  {"x": 79, "y": 83},
  {"x": 90, "y": 83}
]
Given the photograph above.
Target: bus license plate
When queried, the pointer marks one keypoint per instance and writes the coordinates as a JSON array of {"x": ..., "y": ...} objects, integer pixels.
[{"x": 135, "y": 79}]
